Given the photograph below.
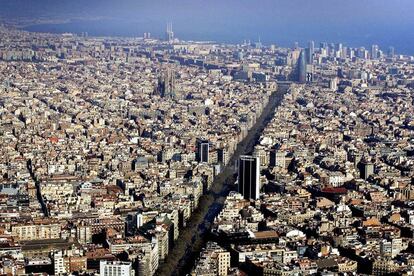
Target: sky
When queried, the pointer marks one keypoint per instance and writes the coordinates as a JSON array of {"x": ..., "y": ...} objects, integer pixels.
[{"x": 353, "y": 22}]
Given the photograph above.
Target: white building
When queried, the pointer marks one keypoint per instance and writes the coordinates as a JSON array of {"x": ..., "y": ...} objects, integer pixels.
[{"x": 116, "y": 268}]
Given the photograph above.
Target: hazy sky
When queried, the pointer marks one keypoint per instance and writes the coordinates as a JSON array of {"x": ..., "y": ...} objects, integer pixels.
[{"x": 387, "y": 22}]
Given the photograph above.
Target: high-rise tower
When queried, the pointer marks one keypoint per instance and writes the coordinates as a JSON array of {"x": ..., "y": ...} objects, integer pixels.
[
  {"x": 301, "y": 67},
  {"x": 391, "y": 52},
  {"x": 203, "y": 149},
  {"x": 249, "y": 177},
  {"x": 374, "y": 52},
  {"x": 311, "y": 52}
]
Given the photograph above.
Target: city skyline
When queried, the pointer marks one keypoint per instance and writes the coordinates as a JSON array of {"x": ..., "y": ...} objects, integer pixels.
[
  {"x": 386, "y": 23},
  {"x": 127, "y": 150}
]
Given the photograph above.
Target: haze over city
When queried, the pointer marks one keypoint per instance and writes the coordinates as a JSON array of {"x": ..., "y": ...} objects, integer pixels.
[{"x": 356, "y": 22}]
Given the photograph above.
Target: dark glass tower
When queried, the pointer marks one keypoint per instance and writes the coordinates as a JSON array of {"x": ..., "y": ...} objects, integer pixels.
[
  {"x": 249, "y": 177},
  {"x": 203, "y": 149}
]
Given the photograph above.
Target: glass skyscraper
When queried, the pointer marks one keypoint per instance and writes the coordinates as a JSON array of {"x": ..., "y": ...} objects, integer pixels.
[{"x": 249, "y": 177}]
